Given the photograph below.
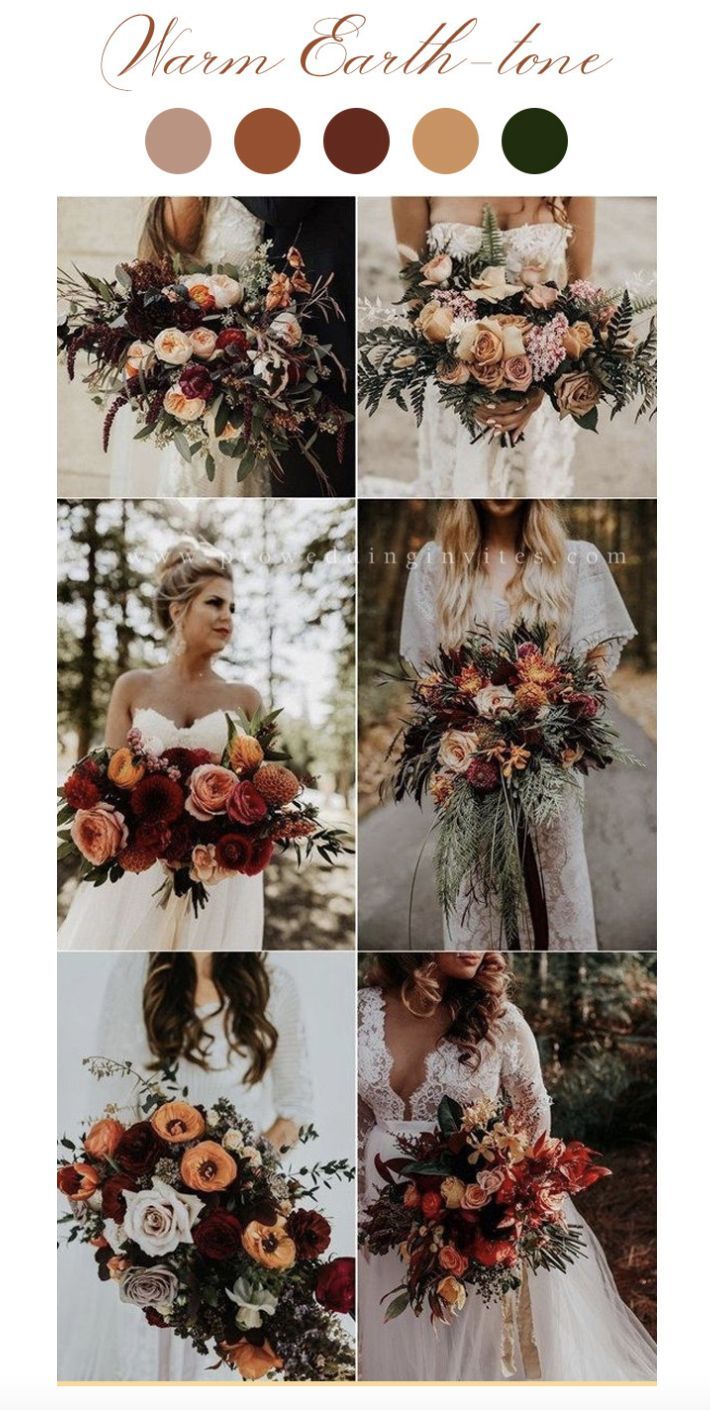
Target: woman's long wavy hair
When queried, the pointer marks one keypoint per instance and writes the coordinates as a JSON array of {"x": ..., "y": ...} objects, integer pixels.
[
  {"x": 157, "y": 240},
  {"x": 175, "y": 1030},
  {"x": 539, "y": 588},
  {"x": 476, "y": 1004}
]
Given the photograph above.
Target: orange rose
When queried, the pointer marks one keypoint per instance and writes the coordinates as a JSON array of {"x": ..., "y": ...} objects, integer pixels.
[
  {"x": 103, "y": 1138},
  {"x": 269, "y": 1244},
  {"x": 177, "y": 1122},
  {"x": 123, "y": 770},
  {"x": 99, "y": 833},
  {"x": 210, "y": 787},
  {"x": 452, "y": 1261},
  {"x": 435, "y": 321},
  {"x": 251, "y": 1361},
  {"x": 452, "y": 1292},
  {"x": 207, "y": 1166},
  {"x": 578, "y": 338},
  {"x": 245, "y": 753},
  {"x": 78, "y": 1181}
]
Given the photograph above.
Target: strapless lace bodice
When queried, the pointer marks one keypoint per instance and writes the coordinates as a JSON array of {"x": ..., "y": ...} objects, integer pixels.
[
  {"x": 231, "y": 232},
  {"x": 208, "y": 732},
  {"x": 542, "y": 247}
]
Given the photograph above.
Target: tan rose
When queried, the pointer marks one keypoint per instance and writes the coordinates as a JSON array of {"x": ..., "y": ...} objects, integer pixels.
[
  {"x": 203, "y": 342},
  {"x": 491, "y": 375},
  {"x": 541, "y": 296},
  {"x": 517, "y": 372},
  {"x": 452, "y": 1292},
  {"x": 577, "y": 393},
  {"x": 452, "y": 1189},
  {"x": 434, "y": 322},
  {"x": 173, "y": 346},
  {"x": 474, "y": 1197},
  {"x": 181, "y": 407},
  {"x": 123, "y": 770},
  {"x": 481, "y": 342},
  {"x": 578, "y": 338},
  {"x": 99, "y": 833},
  {"x": 437, "y": 270},
  {"x": 136, "y": 358},
  {"x": 103, "y": 1138},
  {"x": 452, "y": 374},
  {"x": 457, "y": 749}
]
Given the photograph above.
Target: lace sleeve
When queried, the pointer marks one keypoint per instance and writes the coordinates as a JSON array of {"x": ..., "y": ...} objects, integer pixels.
[
  {"x": 419, "y": 637},
  {"x": 290, "y": 1068},
  {"x": 521, "y": 1076},
  {"x": 599, "y": 615}
]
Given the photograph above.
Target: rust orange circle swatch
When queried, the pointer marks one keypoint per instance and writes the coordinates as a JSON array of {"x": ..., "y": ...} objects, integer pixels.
[
  {"x": 356, "y": 140},
  {"x": 178, "y": 140},
  {"x": 267, "y": 140},
  {"x": 445, "y": 140}
]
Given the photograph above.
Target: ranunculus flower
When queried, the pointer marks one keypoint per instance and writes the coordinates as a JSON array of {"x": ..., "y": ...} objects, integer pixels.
[
  {"x": 438, "y": 269},
  {"x": 457, "y": 749},
  {"x": 252, "y": 1360},
  {"x": 178, "y": 1122},
  {"x": 493, "y": 700},
  {"x": 207, "y": 1167},
  {"x": 245, "y": 753},
  {"x": 124, "y": 769},
  {"x": 103, "y": 1138},
  {"x": 183, "y": 408},
  {"x": 157, "y": 799},
  {"x": 541, "y": 296},
  {"x": 148, "y": 1287},
  {"x": 78, "y": 1181},
  {"x": 210, "y": 786},
  {"x": 577, "y": 393},
  {"x": 139, "y": 1149},
  {"x": 199, "y": 287},
  {"x": 432, "y": 1204},
  {"x": 225, "y": 291},
  {"x": 233, "y": 852},
  {"x": 452, "y": 374},
  {"x": 233, "y": 341},
  {"x": 245, "y": 804},
  {"x": 161, "y": 1218},
  {"x": 99, "y": 833},
  {"x": 269, "y": 1244},
  {"x": 173, "y": 346},
  {"x": 578, "y": 338},
  {"x": 203, "y": 342},
  {"x": 309, "y": 1231},
  {"x": 451, "y": 1191},
  {"x": 518, "y": 373},
  {"x": 452, "y": 1261},
  {"x": 452, "y": 1292},
  {"x": 434, "y": 322},
  {"x": 218, "y": 1235},
  {"x": 253, "y": 1303},
  {"x": 204, "y": 866},
  {"x": 260, "y": 854},
  {"x": 335, "y": 1285},
  {"x": 287, "y": 329},
  {"x": 113, "y": 1203},
  {"x": 195, "y": 382},
  {"x": 136, "y": 358}
]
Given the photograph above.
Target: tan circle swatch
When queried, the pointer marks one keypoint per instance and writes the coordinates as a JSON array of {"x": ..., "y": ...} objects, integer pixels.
[
  {"x": 267, "y": 140},
  {"x": 178, "y": 140},
  {"x": 445, "y": 140}
]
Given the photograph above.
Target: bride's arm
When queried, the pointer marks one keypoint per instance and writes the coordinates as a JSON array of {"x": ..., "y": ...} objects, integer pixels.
[
  {"x": 290, "y": 1067},
  {"x": 119, "y": 719},
  {"x": 581, "y": 213},
  {"x": 522, "y": 1077},
  {"x": 411, "y": 222},
  {"x": 184, "y": 218}
]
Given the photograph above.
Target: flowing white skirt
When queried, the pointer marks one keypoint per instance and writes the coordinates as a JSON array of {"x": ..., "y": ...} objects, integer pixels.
[
  {"x": 582, "y": 1329},
  {"x": 127, "y": 915}
]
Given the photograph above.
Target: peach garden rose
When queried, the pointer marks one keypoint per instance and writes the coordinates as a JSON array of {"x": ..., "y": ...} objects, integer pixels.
[
  {"x": 103, "y": 1137},
  {"x": 183, "y": 408},
  {"x": 100, "y": 833},
  {"x": 435, "y": 322},
  {"x": 210, "y": 787},
  {"x": 173, "y": 346},
  {"x": 457, "y": 749}
]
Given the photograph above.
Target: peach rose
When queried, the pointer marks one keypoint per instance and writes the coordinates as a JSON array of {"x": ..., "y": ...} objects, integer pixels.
[
  {"x": 489, "y": 374},
  {"x": 269, "y": 1244},
  {"x": 481, "y": 342},
  {"x": 578, "y": 338},
  {"x": 287, "y": 329},
  {"x": 577, "y": 393},
  {"x": 173, "y": 346},
  {"x": 411, "y": 1198},
  {"x": 177, "y": 1122},
  {"x": 204, "y": 866},
  {"x": 210, "y": 787},
  {"x": 452, "y": 1190},
  {"x": 452, "y": 1292},
  {"x": 434, "y": 322},
  {"x": 203, "y": 342},
  {"x": 245, "y": 753},
  {"x": 492, "y": 699},
  {"x": 136, "y": 358},
  {"x": 225, "y": 291},
  {"x": 181, "y": 407},
  {"x": 518, "y": 373},
  {"x": 457, "y": 749},
  {"x": 100, "y": 833},
  {"x": 531, "y": 274},
  {"x": 451, "y": 1260},
  {"x": 103, "y": 1138},
  {"x": 207, "y": 1166},
  {"x": 437, "y": 270},
  {"x": 453, "y": 374},
  {"x": 474, "y": 1197},
  {"x": 251, "y": 1359},
  {"x": 541, "y": 296},
  {"x": 123, "y": 770}
]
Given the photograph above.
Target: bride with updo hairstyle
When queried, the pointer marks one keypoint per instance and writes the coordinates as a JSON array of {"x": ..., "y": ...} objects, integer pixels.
[{"x": 183, "y": 704}]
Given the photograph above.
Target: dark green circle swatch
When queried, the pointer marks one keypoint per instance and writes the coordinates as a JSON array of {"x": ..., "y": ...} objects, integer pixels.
[{"x": 534, "y": 140}]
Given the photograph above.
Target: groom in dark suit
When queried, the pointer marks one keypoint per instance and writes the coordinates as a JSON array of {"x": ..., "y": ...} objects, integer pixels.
[{"x": 323, "y": 229}]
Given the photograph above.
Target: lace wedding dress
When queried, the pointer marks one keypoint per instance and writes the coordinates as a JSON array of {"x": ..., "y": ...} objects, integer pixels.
[
  {"x": 598, "y": 616},
  {"x": 448, "y": 462},
  {"x": 578, "y": 1328},
  {"x": 127, "y": 915},
  {"x": 100, "y": 1337},
  {"x": 231, "y": 234}
]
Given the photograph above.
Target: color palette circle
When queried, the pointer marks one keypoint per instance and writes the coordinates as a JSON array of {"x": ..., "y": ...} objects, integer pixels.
[
  {"x": 356, "y": 140},
  {"x": 445, "y": 140},
  {"x": 178, "y": 140},
  {"x": 267, "y": 140},
  {"x": 534, "y": 140}
]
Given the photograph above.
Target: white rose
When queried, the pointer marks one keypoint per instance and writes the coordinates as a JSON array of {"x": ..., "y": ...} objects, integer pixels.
[
  {"x": 160, "y": 1218},
  {"x": 234, "y": 1140},
  {"x": 457, "y": 749},
  {"x": 287, "y": 329},
  {"x": 148, "y": 1287},
  {"x": 252, "y": 1154},
  {"x": 203, "y": 342},
  {"x": 173, "y": 346},
  {"x": 253, "y": 1303},
  {"x": 493, "y": 699},
  {"x": 114, "y": 1234},
  {"x": 226, "y": 292}
]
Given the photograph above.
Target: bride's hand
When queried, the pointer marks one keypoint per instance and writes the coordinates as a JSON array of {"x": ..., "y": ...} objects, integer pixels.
[
  {"x": 510, "y": 417},
  {"x": 283, "y": 1134}
]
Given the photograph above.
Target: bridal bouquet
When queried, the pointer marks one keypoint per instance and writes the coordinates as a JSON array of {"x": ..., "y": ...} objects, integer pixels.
[
  {"x": 209, "y": 357},
  {"x": 123, "y": 810},
  {"x": 482, "y": 338},
  {"x": 189, "y": 1212},
  {"x": 473, "y": 1203},
  {"x": 498, "y": 729}
]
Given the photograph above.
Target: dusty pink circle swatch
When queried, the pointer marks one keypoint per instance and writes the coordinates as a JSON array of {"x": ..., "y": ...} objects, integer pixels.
[{"x": 178, "y": 140}]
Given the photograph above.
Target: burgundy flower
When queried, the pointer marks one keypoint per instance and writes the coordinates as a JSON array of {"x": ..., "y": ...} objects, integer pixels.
[
  {"x": 584, "y": 705},
  {"x": 260, "y": 856},
  {"x": 152, "y": 837},
  {"x": 113, "y": 1205},
  {"x": 139, "y": 1149},
  {"x": 157, "y": 799},
  {"x": 81, "y": 789},
  {"x": 179, "y": 848},
  {"x": 195, "y": 381},
  {"x": 245, "y": 805},
  {"x": 233, "y": 851},
  {"x": 153, "y": 1317},
  {"x": 335, "y": 1285},
  {"x": 233, "y": 341},
  {"x": 309, "y": 1231},
  {"x": 186, "y": 759},
  {"x": 218, "y": 1235},
  {"x": 483, "y": 775}
]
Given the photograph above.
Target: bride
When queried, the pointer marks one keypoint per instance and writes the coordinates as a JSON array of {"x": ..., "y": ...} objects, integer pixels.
[
  {"x": 183, "y": 704},
  {"x": 441, "y": 1025},
  {"x": 214, "y": 230},
  {"x": 493, "y": 563},
  {"x": 550, "y": 238},
  {"x": 232, "y": 1025}
]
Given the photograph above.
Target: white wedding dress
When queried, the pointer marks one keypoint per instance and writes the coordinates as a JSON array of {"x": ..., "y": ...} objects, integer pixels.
[
  {"x": 449, "y": 463},
  {"x": 230, "y": 235},
  {"x": 598, "y": 615},
  {"x": 100, "y": 1337},
  {"x": 127, "y": 914},
  {"x": 581, "y": 1328}
]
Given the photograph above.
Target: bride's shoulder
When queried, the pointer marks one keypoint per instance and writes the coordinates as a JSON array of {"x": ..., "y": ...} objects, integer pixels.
[
  {"x": 239, "y": 696},
  {"x": 369, "y": 999},
  {"x": 512, "y": 1023},
  {"x": 128, "y": 685},
  {"x": 427, "y": 563}
]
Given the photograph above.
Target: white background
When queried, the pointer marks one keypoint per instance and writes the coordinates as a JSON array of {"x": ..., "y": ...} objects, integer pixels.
[{"x": 634, "y": 130}]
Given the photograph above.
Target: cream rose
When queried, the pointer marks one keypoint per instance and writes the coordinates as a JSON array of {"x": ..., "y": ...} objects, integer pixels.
[
  {"x": 493, "y": 699},
  {"x": 148, "y": 1287},
  {"x": 492, "y": 286},
  {"x": 173, "y": 346},
  {"x": 160, "y": 1218},
  {"x": 203, "y": 342},
  {"x": 438, "y": 269},
  {"x": 577, "y": 393},
  {"x": 541, "y": 296},
  {"x": 204, "y": 866},
  {"x": 225, "y": 291},
  {"x": 136, "y": 358},
  {"x": 452, "y": 1191},
  {"x": 481, "y": 342},
  {"x": 578, "y": 338},
  {"x": 183, "y": 408},
  {"x": 457, "y": 749},
  {"x": 435, "y": 321},
  {"x": 99, "y": 833},
  {"x": 287, "y": 329},
  {"x": 490, "y": 1181}
]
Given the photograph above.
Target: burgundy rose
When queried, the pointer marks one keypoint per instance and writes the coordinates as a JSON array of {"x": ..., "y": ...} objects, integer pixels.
[
  {"x": 233, "y": 342},
  {"x": 195, "y": 381},
  {"x": 233, "y": 852},
  {"x": 260, "y": 856},
  {"x": 157, "y": 799},
  {"x": 335, "y": 1285},
  {"x": 186, "y": 759},
  {"x": 309, "y": 1231},
  {"x": 218, "y": 1235},
  {"x": 81, "y": 789},
  {"x": 483, "y": 775},
  {"x": 113, "y": 1205},
  {"x": 139, "y": 1149},
  {"x": 179, "y": 848},
  {"x": 584, "y": 705},
  {"x": 245, "y": 805}
]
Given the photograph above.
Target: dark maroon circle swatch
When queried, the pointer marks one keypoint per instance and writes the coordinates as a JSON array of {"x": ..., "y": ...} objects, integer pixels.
[
  {"x": 178, "y": 140},
  {"x": 356, "y": 140}
]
